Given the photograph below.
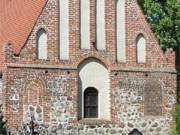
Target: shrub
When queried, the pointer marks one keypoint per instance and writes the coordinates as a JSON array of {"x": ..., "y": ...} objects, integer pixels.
[{"x": 176, "y": 128}]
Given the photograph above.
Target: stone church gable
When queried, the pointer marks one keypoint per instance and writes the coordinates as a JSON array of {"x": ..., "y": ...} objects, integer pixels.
[{"x": 79, "y": 86}]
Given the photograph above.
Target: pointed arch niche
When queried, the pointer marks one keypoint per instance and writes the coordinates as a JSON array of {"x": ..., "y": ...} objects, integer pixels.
[
  {"x": 93, "y": 74},
  {"x": 33, "y": 101},
  {"x": 140, "y": 49},
  {"x": 41, "y": 38}
]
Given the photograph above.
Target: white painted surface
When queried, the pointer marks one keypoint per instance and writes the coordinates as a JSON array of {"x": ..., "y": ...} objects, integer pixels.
[
  {"x": 42, "y": 44},
  {"x": 94, "y": 74},
  {"x": 64, "y": 29},
  {"x": 141, "y": 49},
  {"x": 85, "y": 24},
  {"x": 121, "y": 37},
  {"x": 100, "y": 24}
]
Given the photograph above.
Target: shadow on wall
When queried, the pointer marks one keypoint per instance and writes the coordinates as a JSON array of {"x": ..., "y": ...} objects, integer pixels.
[{"x": 79, "y": 101}]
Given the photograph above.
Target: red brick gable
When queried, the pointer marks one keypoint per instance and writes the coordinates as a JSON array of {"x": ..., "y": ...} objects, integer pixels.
[{"x": 17, "y": 18}]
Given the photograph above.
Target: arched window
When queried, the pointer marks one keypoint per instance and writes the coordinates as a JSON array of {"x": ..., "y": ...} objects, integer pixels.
[
  {"x": 42, "y": 44},
  {"x": 141, "y": 49},
  {"x": 92, "y": 70},
  {"x": 90, "y": 103}
]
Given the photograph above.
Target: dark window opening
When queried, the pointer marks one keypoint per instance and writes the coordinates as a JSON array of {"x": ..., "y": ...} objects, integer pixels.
[
  {"x": 90, "y": 103},
  {"x": 135, "y": 132}
]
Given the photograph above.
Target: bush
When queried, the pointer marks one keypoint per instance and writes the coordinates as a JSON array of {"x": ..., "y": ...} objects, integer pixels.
[{"x": 176, "y": 128}]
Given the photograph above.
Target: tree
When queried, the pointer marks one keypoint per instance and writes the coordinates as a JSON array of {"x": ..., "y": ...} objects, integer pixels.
[
  {"x": 178, "y": 119},
  {"x": 163, "y": 17},
  {"x": 2, "y": 123}
]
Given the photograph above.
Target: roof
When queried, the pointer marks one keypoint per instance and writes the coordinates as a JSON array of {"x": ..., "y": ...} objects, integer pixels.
[{"x": 17, "y": 19}]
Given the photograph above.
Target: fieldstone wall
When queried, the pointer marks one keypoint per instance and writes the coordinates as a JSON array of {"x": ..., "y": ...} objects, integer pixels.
[
  {"x": 60, "y": 108},
  {"x": 53, "y": 96},
  {"x": 61, "y": 102},
  {"x": 131, "y": 99},
  {"x": 49, "y": 95},
  {"x": 57, "y": 103}
]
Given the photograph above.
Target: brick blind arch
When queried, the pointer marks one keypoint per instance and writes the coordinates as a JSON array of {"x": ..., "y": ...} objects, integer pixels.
[
  {"x": 33, "y": 101},
  {"x": 152, "y": 98}
]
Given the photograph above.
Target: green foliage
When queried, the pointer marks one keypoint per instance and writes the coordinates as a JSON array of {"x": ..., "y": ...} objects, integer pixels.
[
  {"x": 176, "y": 128},
  {"x": 163, "y": 17},
  {"x": 2, "y": 124},
  {"x": 173, "y": 131}
]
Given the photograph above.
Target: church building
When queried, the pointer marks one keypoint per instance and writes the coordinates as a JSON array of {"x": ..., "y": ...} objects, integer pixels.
[{"x": 84, "y": 67}]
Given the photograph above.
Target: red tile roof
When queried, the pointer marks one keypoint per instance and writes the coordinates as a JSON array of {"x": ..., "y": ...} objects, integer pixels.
[{"x": 17, "y": 18}]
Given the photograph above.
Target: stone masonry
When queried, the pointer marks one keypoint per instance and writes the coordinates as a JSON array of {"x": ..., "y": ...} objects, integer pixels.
[{"x": 142, "y": 95}]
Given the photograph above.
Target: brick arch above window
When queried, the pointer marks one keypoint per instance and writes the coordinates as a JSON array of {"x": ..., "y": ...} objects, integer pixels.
[{"x": 96, "y": 58}]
